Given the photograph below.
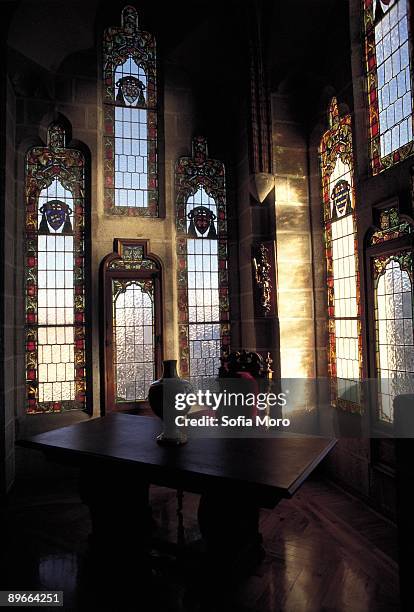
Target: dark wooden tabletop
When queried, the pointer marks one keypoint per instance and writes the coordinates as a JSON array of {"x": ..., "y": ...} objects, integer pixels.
[{"x": 267, "y": 468}]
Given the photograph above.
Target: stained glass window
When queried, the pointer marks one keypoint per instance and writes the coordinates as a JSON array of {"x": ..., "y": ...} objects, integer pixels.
[
  {"x": 389, "y": 81},
  {"x": 130, "y": 115},
  {"x": 133, "y": 323},
  {"x": 393, "y": 303},
  {"x": 202, "y": 263},
  {"x": 55, "y": 302},
  {"x": 394, "y": 328},
  {"x": 337, "y": 172},
  {"x": 391, "y": 226}
]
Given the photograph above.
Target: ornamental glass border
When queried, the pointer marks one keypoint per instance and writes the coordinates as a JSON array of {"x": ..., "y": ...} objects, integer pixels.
[
  {"x": 378, "y": 163},
  {"x": 392, "y": 226},
  {"x": 43, "y": 165},
  {"x": 388, "y": 387},
  {"x": 191, "y": 174},
  {"x": 119, "y": 44},
  {"x": 337, "y": 143},
  {"x": 130, "y": 262}
]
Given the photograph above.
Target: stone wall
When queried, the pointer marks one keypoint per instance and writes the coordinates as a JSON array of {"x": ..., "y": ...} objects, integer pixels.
[
  {"x": 69, "y": 86},
  {"x": 295, "y": 285},
  {"x": 12, "y": 276}
]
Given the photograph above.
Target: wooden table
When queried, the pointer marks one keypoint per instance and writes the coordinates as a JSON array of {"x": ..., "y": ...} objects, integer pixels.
[{"x": 119, "y": 458}]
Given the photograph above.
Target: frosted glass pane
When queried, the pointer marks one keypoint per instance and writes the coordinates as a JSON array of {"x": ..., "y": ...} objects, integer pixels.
[
  {"x": 395, "y": 342},
  {"x": 204, "y": 349},
  {"x": 134, "y": 343}
]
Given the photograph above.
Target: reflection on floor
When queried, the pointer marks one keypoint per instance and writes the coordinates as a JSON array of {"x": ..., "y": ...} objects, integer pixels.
[{"x": 324, "y": 551}]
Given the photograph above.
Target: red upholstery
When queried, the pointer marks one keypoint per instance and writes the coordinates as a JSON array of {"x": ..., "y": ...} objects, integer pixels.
[{"x": 250, "y": 386}]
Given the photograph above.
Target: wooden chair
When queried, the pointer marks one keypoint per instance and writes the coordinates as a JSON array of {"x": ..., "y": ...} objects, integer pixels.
[
  {"x": 244, "y": 372},
  {"x": 235, "y": 362}
]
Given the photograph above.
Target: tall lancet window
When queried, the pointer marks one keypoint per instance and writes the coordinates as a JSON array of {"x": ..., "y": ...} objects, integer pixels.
[
  {"x": 130, "y": 119},
  {"x": 337, "y": 170},
  {"x": 55, "y": 292},
  {"x": 202, "y": 263},
  {"x": 389, "y": 71},
  {"x": 391, "y": 255}
]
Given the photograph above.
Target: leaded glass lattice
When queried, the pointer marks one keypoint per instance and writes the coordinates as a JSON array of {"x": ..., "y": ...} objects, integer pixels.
[
  {"x": 203, "y": 287},
  {"x": 55, "y": 301},
  {"x": 394, "y": 328},
  {"x": 130, "y": 109},
  {"x": 389, "y": 75},
  {"x": 202, "y": 263},
  {"x": 131, "y": 324},
  {"x": 345, "y": 355},
  {"x": 133, "y": 328}
]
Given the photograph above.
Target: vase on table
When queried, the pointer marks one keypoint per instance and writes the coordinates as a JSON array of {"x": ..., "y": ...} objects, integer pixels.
[{"x": 163, "y": 396}]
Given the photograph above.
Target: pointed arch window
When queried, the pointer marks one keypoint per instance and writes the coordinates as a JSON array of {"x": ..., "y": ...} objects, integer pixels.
[
  {"x": 130, "y": 119},
  {"x": 202, "y": 262},
  {"x": 55, "y": 276},
  {"x": 389, "y": 73},
  {"x": 337, "y": 171},
  {"x": 391, "y": 254}
]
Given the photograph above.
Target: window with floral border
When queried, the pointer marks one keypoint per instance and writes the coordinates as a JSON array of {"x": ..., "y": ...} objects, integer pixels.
[
  {"x": 344, "y": 324},
  {"x": 391, "y": 254},
  {"x": 55, "y": 276},
  {"x": 131, "y": 279},
  {"x": 130, "y": 119},
  {"x": 203, "y": 305},
  {"x": 389, "y": 80}
]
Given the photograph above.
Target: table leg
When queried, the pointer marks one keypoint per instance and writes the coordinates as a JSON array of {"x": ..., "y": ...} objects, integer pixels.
[
  {"x": 121, "y": 520},
  {"x": 229, "y": 525}
]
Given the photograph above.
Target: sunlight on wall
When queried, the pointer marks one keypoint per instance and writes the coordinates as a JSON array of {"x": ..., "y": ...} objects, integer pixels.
[
  {"x": 293, "y": 246},
  {"x": 295, "y": 294}
]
